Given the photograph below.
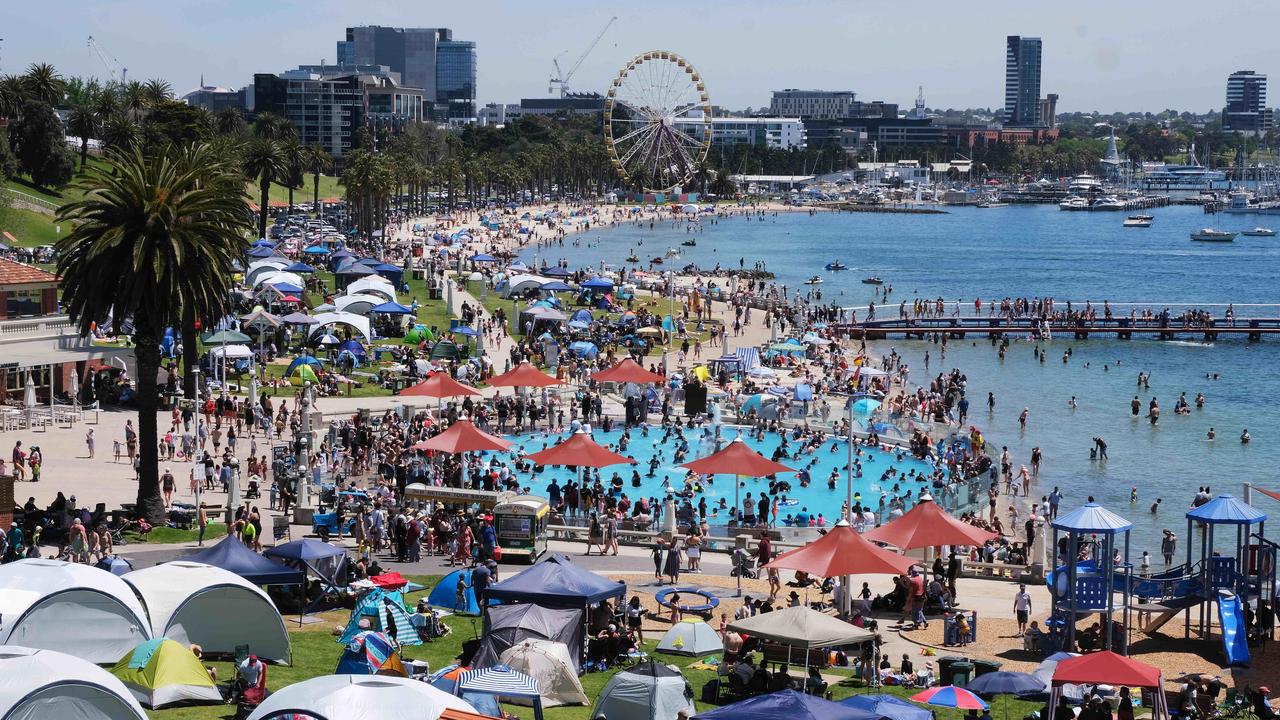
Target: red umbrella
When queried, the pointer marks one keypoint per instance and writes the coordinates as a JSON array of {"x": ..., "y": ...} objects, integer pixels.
[
  {"x": 582, "y": 451},
  {"x": 950, "y": 696},
  {"x": 737, "y": 459},
  {"x": 628, "y": 371},
  {"x": 842, "y": 552},
  {"x": 462, "y": 436},
  {"x": 390, "y": 580},
  {"x": 439, "y": 385},
  {"x": 928, "y": 525},
  {"x": 524, "y": 375}
]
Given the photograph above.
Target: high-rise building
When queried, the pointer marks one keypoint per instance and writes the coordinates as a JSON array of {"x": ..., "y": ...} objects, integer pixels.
[
  {"x": 819, "y": 104},
  {"x": 1246, "y": 109},
  {"x": 426, "y": 58},
  {"x": 1022, "y": 82}
]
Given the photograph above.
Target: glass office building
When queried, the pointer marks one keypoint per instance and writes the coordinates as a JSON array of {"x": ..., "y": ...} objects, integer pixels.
[{"x": 456, "y": 78}]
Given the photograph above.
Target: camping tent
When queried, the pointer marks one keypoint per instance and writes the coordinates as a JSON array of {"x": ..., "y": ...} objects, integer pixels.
[
  {"x": 353, "y": 697},
  {"x": 370, "y": 653},
  {"x": 359, "y": 304},
  {"x": 648, "y": 691},
  {"x": 43, "y": 684},
  {"x": 691, "y": 637},
  {"x": 889, "y": 707},
  {"x": 328, "y": 562},
  {"x": 234, "y": 556},
  {"x": 501, "y": 683},
  {"x": 49, "y": 603},
  {"x": 786, "y": 704},
  {"x": 385, "y": 611},
  {"x": 550, "y": 665},
  {"x": 803, "y": 628},
  {"x": 445, "y": 594},
  {"x": 505, "y": 626},
  {"x": 358, "y": 323},
  {"x": 1045, "y": 671},
  {"x": 373, "y": 285},
  {"x": 191, "y": 602},
  {"x": 161, "y": 672},
  {"x": 556, "y": 582}
]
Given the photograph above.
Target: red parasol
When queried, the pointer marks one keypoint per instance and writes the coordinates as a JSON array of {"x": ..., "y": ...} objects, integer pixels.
[
  {"x": 628, "y": 371},
  {"x": 1106, "y": 667},
  {"x": 524, "y": 375},
  {"x": 928, "y": 525},
  {"x": 462, "y": 436},
  {"x": 842, "y": 552},
  {"x": 737, "y": 459},
  {"x": 439, "y": 385},
  {"x": 580, "y": 450},
  {"x": 389, "y": 581}
]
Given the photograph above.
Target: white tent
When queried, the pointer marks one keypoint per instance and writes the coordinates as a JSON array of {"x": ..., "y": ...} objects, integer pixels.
[
  {"x": 520, "y": 283},
  {"x": 43, "y": 684},
  {"x": 548, "y": 663},
  {"x": 70, "y": 608},
  {"x": 356, "y": 322},
  {"x": 216, "y": 609},
  {"x": 648, "y": 691},
  {"x": 373, "y": 285},
  {"x": 802, "y": 627},
  {"x": 359, "y": 304},
  {"x": 691, "y": 637},
  {"x": 263, "y": 267},
  {"x": 360, "y": 697},
  {"x": 231, "y": 352},
  {"x": 273, "y": 278}
]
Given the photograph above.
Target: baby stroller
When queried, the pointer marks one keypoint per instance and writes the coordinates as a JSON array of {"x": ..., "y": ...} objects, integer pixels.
[
  {"x": 248, "y": 698},
  {"x": 742, "y": 562},
  {"x": 252, "y": 491}
]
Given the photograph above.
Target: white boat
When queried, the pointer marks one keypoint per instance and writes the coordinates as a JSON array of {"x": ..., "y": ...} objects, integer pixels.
[
  {"x": 1142, "y": 217},
  {"x": 1108, "y": 202},
  {"x": 1084, "y": 183},
  {"x": 1259, "y": 232},
  {"x": 1137, "y": 222},
  {"x": 1211, "y": 235},
  {"x": 1075, "y": 203},
  {"x": 815, "y": 280}
]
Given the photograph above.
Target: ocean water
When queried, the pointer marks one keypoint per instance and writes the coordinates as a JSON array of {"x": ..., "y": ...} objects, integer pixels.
[{"x": 1041, "y": 251}]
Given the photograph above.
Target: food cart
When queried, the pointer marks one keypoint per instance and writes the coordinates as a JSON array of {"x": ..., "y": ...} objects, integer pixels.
[{"x": 521, "y": 526}]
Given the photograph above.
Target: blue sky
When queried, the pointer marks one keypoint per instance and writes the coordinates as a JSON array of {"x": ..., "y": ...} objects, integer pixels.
[{"x": 1117, "y": 55}]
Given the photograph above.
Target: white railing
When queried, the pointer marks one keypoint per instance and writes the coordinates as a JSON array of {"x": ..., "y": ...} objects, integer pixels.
[{"x": 53, "y": 325}]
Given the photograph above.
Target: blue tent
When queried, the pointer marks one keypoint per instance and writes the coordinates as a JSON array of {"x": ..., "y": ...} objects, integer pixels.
[
  {"x": 556, "y": 272},
  {"x": 356, "y": 270},
  {"x": 390, "y": 272},
  {"x": 483, "y": 257},
  {"x": 786, "y": 704},
  {"x": 392, "y": 308},
  {"x": 316, "y": 250},
  {"x": 386, "y": 614},
  {"x": 299, "y": 267},
  {"x": 234, "y": 556},
  {"x": 329, "y": 562},
  {"x": 353, "y": 347},
  {"x": 556, "y": 582},
  {"x": 555, "y": 286},
  {"x": 598, "y": 283},
  {"x": 302, "y": 360},
  {"x": 260, "y": 252},
  {"x": 582, "y": 316},
  {"x": 262, "y": 242},
  {"x": 445, "y": 594},
  {"x": 342, "y": 254},
  {"x": 350, "y": 356},
  {"x": 890, "y": 707},
  {"x": 584, "y": 349},
  {"x": 285, "y": 287}
]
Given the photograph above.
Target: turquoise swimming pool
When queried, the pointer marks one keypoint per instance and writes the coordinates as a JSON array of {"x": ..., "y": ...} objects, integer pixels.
[{"x": 878, "y": 471}]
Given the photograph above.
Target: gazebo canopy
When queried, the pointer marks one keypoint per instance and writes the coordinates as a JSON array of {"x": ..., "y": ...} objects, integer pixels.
[
  {"x": 737, "y": 458},
  {"x": 802, "y": 626},
  {"x": 555, "y": 582},
  {"x": 1108, "y": 668},
  {"x": 1092, "y": 518},
  {"x": 233, "y": 555},
  {"x": 580, "y": 451},
  {"x": 842, "y": 552},
  {"x": 1227, "y": 510},
  {"x": 928, "y": 525}
]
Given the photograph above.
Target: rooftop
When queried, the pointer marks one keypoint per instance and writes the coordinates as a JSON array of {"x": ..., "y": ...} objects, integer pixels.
[{"x": 13, "y": 272}]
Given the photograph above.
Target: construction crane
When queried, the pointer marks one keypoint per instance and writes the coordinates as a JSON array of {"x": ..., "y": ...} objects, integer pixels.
[
  {"x": 561, "y": 78},
  {"x": 114, "y": 68}
]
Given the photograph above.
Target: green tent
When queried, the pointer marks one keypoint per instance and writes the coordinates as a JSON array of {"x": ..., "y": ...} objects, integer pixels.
[{"x": 163, "y": 672}]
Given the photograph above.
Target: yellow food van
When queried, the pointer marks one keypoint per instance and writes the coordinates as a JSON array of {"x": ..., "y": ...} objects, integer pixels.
[
  {"x": 521, "y": 526},
  {"x": 456, "y": 497}
]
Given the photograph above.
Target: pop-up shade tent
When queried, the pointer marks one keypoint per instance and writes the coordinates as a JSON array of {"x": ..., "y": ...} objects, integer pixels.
[
  {"x": 506, "y": 626},
  {"x": 48, "y": 604},
  {"x": 648, "y": 691},
  {"x": 43, "y": 684},
  {"x": 161, "y": 672},
  {"x": 786, "y": 704},
  {"x": 501, "y": 683},
  {"x": 802, "y": 628},
  {"x": 328, "y": 562},
  {"x": 232, "y": 555},
  {"x": 556, "y": 582},
  {"x": 216, "y": 609},
  {"x": 445, "y": 594},
  {"x": 356, "y": 696}
]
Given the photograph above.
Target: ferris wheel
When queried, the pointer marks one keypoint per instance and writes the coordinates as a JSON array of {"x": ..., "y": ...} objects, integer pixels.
[{"x": 657, "y": 121}]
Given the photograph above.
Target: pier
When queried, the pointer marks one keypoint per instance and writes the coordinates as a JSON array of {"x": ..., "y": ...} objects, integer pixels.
[{"x": 1122, "y": 328}]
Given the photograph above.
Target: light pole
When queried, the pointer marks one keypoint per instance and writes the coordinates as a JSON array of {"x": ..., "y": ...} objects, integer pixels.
[
  {"x": 302, "y": 504},
  {"x": 848, "y": 487}
]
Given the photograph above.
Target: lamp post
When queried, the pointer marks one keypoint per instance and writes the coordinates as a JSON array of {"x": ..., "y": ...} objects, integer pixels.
[{"x": 302, "y": 504}]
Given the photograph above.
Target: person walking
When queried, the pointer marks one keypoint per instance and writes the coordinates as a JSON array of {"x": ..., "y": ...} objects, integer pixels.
[
  {"x": 1022, "y": 608},
  {"x": 88, "y": 442}
]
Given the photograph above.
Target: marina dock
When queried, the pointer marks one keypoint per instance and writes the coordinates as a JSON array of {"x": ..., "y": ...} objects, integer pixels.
[{"x": 1123, "y": 328}]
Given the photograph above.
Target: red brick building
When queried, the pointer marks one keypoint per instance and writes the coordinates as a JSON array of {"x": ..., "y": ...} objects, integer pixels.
[{"x": 26, "y": 291}]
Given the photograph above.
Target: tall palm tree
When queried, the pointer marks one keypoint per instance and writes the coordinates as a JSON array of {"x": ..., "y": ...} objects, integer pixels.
[
  {"x": 12, "y": 95},
  {"x": 316, "y": 160},
  {"x": 42, "y": 82},
  {"x": 156, "y": 91},
  {"x": 134, "y": 97},
  {"x": 120, "y": 132},
  {"x": 270, "y": 126},
  {"x": 107, "y": 103},
  {"x": 264, "y": 162},
  {"x": 151, "y": 236},
  {"x": 294, "y": 156},
  {"x": 83, "y": 123},
  {"x": 229, "y": 121}
]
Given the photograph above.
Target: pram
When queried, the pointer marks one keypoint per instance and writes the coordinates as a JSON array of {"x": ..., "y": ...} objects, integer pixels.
[
  {"x": 742, "y": 562},
  {"x": 253, "y": 490}
]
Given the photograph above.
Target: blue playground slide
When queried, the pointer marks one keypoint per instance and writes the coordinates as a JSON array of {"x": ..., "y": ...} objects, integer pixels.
[{"x": 1234, "y": 637}]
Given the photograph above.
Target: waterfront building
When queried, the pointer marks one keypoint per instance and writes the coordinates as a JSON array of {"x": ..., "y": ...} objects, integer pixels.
[
  {"x": 426, "y": 58},
  {"x": 214, "y": 98},
  {"x": 854, "y": 133},
  {"x": 330, "y": 110},
  {"x": 1246, "y": 109},
  {"x": 823, "y": 104},
  {"x": 1022, "y": 81},
  {"x": 774, "y": 132}
]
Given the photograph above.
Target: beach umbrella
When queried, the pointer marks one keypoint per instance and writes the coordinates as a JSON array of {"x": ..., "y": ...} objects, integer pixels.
[
  {"x": 628, "y": 370},
  {"x": 483, "y": 257},
  {"x": 737, "y": 458},
  {"x": 74, "y": 390},
  {"x": 524, "y": 375},
  {"x": 580, "y": 451},
  {"x": 465, "y": 330},
  {"x": 761, "y": 372},
  {"x": 29, "y": 393},
  {"x": 439, "y": 385},
  {"x": 927, "y": 525},
  {"x": 1004, "y": 682},
  {"x": 787, "y": 347},
  {"x": 224, "y": 337},
  {"x": 950, "y": 696},
  {"x": 842, "y": 551},
  {"x": 463, "y": 436},
  {"x": 253, "y": 388},
  {"x": 328, "y": 339},
  {"x": 865, "y": 406}
]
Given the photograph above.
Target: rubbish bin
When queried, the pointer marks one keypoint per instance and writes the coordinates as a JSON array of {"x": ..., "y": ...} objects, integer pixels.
[
  {"x": 982, "y": 667},
  {"x": 961, "y": 673},
  {"x": 945, "y": 663}
]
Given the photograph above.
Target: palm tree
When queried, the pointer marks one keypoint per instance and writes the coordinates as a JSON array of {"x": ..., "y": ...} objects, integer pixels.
[
  {"x": 294, "y": 155},
  {"x": 134, "y": 96},
  {"x": 120, "y": 132},
  {"x": 107, "y": 103},
  {"x": 316, "y": 160},
  {"x": 152, "y": 236},
  {"x": 271, "y": 126},
  {"x": 83, "y": 123},
  {"x": 229, "y": 121},
  {"x": 12, "y": 95},
  {"x": 42, "y": 82},
  {"x": 156, "y": 91},
  {"x": 264, "y": 162}
]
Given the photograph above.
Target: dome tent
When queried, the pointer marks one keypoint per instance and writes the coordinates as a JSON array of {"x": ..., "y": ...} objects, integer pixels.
[
  {"x": 161, "y": 672},
  {"x": 445, "y": 594},
  {"x": 49, "y": 603},
  {"x": 691, "y": 637},
  {"x": 42, "y": 684},
  {"x": 386, "y": 613},
  {"x": 648, "y": 691},
  {"x": 506, "y": 626},
  {"x": 549, "y": 664},
  {"x": 216, "y": 609},
  {"x": 356, "y": 697}
]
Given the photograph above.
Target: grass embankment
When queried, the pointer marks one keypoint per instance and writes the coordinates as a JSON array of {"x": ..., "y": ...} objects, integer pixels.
[
  {"x": 167, "y": 535},
  {"x": 28, "y": 227},
  {"x": 315, "y": 653}
]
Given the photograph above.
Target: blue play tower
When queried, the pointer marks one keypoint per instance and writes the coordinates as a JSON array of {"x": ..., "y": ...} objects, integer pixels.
[{"x": 1086, "y": 570}]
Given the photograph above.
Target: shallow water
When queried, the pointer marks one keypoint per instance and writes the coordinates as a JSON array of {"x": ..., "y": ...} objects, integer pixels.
[{"x": 1037, "y": 251}]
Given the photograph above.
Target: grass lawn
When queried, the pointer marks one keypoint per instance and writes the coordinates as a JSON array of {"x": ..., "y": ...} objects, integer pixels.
[
  {"x": 30, "y": 228},
  {"x": 212, "y": 531},
  {"x": 329, "y": 188},
  {"x": 315, "y": 652}
]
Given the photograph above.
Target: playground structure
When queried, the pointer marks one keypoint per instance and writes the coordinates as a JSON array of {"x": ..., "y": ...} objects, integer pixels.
[{"x": 1088, "y": 576}]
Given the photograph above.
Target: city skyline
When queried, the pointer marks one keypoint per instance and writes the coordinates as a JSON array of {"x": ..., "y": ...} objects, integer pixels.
[{"x": 1129, "y": 62}]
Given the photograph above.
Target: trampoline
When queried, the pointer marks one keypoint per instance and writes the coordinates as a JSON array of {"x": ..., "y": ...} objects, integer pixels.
[{"x": 705, "y": 608}]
